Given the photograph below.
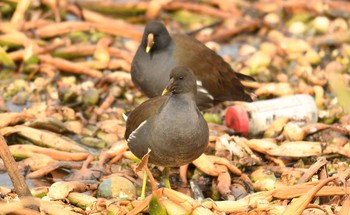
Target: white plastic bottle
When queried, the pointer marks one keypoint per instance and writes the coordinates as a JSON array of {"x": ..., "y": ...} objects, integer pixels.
[{"x": 254, "y": 118}]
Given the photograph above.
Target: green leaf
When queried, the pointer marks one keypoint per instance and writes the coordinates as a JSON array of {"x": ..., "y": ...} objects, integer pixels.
[
  {"x": 155, "y": 207},
  {"x": 340, "y": 89},
  {"x": 4, "y": 58},
  {"x": 211, "y": 117}
]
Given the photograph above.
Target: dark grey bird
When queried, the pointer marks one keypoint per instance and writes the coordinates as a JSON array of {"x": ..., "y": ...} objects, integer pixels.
[
  {"x": 159, "y": 52},
  {"x": 171, "y": 126}
]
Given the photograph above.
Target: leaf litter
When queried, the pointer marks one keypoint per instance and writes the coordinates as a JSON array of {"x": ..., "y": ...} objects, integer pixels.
[{"x": 65, "y": 84}]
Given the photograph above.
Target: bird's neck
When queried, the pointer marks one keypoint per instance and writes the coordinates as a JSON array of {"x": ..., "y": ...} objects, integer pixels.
[{"x": 184, "y": 98}]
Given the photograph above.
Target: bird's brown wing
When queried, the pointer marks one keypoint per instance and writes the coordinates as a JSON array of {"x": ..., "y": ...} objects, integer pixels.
[
  {"x": 217, "y": 76},
  {"x": 143, "y": 112}
]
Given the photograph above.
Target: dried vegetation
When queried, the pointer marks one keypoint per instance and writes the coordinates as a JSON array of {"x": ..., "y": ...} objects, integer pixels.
[{"x": 65, "y": 82}]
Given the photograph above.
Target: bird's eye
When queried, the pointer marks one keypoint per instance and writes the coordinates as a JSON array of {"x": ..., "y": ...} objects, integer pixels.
[{"x": 181, "y": 78}]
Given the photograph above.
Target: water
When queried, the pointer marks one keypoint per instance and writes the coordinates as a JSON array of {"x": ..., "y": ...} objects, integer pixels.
[{"x": 5, "y": 181}]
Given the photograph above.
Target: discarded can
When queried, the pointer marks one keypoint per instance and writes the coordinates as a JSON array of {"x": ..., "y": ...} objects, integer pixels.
[{"x": 254, "y": 118}]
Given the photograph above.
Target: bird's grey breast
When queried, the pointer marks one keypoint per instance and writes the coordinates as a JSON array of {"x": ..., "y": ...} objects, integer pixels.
[
  {"x": 184, "y": 122},
  {"x": 155, "y": 68}
]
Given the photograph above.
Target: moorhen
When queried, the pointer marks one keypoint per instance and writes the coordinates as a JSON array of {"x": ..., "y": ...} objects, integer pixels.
[
  {"x": 159, "y": 52},
  {"x": 171, "y": 126}
]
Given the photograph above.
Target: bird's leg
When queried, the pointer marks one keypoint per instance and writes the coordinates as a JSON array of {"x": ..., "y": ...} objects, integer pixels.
[
  {"x": 144, "y": 184},
  {"x": 166, "y": 177},
  {"x": 183, "y": 174}
]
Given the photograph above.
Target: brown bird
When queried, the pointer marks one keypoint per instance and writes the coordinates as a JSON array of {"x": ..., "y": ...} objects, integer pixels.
[{"x": 159, "y": 52}]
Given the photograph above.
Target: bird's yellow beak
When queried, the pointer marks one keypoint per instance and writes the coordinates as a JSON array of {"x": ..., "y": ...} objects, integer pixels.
[
  {"x": 167, "y": 90},
  {"x": 150, "y": 42}
]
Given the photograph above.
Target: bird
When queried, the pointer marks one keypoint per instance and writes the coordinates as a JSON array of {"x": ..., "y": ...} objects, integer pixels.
[
  {"x": 170, "y": 129},
  {"x": 171, "y": 125},
  {"x": 159, "y": 52}
]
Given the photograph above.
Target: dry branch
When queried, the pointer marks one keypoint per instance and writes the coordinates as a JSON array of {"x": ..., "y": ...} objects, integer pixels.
[
  {"x": 85, "y": 50},
  {"x": 229, "y": 32},
  {"x": 71, "y": 26},
  {"x": 18, "y": 16},
  {"x": 68, "y": 66},
  {"x": 199, "y": 8},
  {"x": 17, "y": 179}
]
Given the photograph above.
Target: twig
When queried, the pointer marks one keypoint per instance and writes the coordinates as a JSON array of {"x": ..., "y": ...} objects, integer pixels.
[
  {"x": 92, "y": 16},
  {"x": 49, "y": 168},
  {"x": 112, "y": 64},
  {"x": 331, "y": 39},
  {"x": 339, "y": 5},
  {"x": 19, "y": 54},
  {"x": 54, "y": 7},
  {"x": 95, "y": 17},
  {"x": 299, "y": 205},
  {"x": 227, "y": 33},
  {"x": 17, "y": 179},
  {"x": 62, "y": 28},
  {"x": 229, "y": 6},
  {"x": 18, "y": 16},
  {"x": 314, "y": 6},
  {"x": 342, "y": 8},
  {"x": 105, "y": 104},
  {"x": 106, "y": 27},
  {"x": 198, "y": 8},
  {"x": 312, "y": 170},
  {"x": 69, "y": 66},
  {"x": 85, "y": 50},
  {"x": 137, "y": 5},
  {"x": 153, "y": 10},
  {"x": 17, "y": 38}
]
